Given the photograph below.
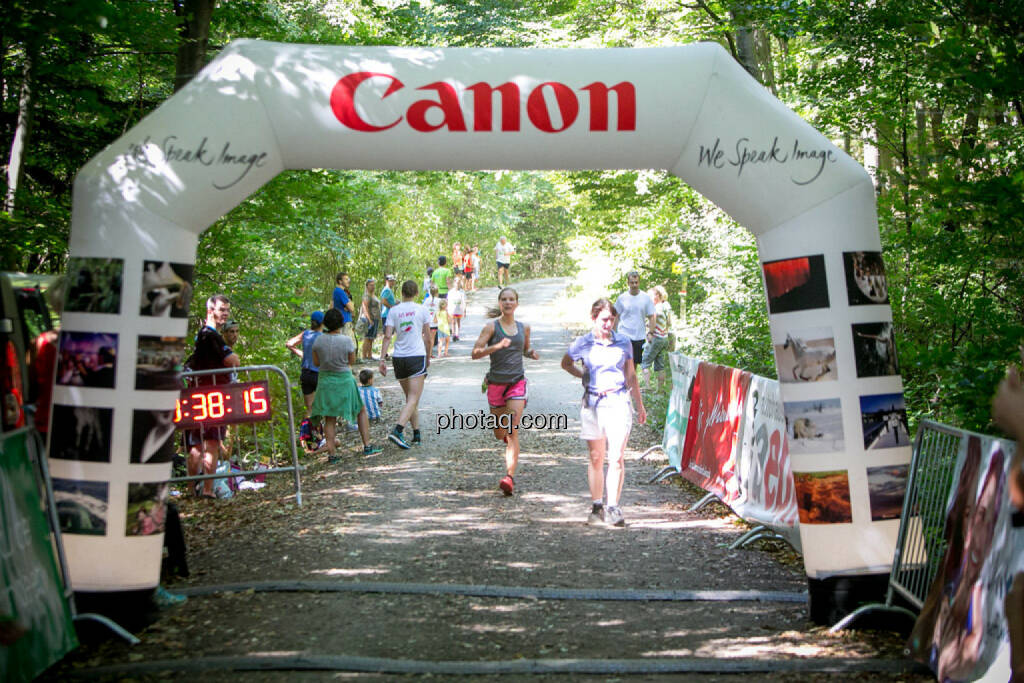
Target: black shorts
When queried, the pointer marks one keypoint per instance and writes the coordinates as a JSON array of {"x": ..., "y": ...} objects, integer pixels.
[
  {"x": 308, "y": 378},
  {"x": 409, "y": 366},
  {"x": 638, "y": 350}
]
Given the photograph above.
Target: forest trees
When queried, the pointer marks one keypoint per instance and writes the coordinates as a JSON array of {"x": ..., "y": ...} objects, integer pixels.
[{"x": 926, "y": 93}]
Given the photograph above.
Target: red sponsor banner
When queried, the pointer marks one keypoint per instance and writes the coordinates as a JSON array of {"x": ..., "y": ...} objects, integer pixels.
[{"x": 713, "y": 429}]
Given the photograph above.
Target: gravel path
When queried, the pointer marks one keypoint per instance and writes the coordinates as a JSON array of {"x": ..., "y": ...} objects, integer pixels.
[{"x": 433, "y": 516}]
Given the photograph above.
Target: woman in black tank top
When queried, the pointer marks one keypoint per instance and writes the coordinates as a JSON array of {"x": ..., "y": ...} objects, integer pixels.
[{"x": 507, "y": 342}]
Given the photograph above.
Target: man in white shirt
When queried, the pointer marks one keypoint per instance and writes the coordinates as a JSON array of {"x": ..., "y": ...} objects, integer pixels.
[
  {"x": 503, "y": 251},
  {"x": 636, "y": 315}
]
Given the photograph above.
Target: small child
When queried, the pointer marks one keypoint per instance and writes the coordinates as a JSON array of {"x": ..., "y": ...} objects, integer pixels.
[
  {"x": 457, "y": 303},
  {"x": 431, "y": 304},
  {"x": 444, "y": 331},
  {"x": 370, "y": 395}
]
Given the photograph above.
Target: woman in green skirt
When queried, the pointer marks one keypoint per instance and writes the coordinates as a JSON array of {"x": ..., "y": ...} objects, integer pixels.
[{"x": 336, "y": 391}]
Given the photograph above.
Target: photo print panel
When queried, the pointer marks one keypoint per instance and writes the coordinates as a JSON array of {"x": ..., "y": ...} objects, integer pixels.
[
  {"x": 166, "y": 289},
  {"x": 874, "y": 350},
  {"x": 152, "y": 436},
  {"x": 815, "y": 426},
  {"x": 796, "y": 284},
  {"x": 823, "y": 497},
  {"x": 147, "y": 509},
  {"x": 886, "y": 488},
  {"x": 807, "y": 355},
  {"x": 883, "y": 418},
  {"x": 83, "y": 433},
  {"x": 87, "y": 359},
  {"x": 866, "y": 283},
  {"x": 94, "y": 285},
  {"x": 81, "y": 506},
  {"x": 159, "y": 361}
]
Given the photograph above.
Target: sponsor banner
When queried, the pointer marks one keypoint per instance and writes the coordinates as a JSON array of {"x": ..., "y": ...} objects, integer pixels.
[
  {"x": 684, "y": 372},
  {"x": 767, "y": 494},
  {"x": 711, "y": 444},
  {"x": 31, "y": 592},
  {"x": 970, "y": 627}
]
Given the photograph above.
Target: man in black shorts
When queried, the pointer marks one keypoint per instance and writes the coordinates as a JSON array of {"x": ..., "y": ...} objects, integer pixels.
[{"x": 211, "y": 353}]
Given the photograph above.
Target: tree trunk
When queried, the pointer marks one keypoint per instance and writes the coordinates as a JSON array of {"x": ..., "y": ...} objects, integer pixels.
[
  {"x": 16, "y": 158},
  {"x": 194, "y": 32},
  {"x": 746, "y": 49}
]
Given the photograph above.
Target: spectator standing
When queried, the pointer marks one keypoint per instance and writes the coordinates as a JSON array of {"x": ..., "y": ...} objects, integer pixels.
[
  {"x": 606, "y": 418},
  {"x": 302, "y": 346},
  {"x": 636, "y": 315},
  {"x": 343, "y": 301},
  {"x": 387, "y": 301},
  {"x": 656, "y": 349},
  {"x": 409, "y": 322},
  {"x": 369, "y": 318},
  {"x": 506, "y": 341},
  {"x": 503, "y": 251},
  {"x": 336, "y": 394},
  {"x": 211, "y": 353},
  {"x": 475, "y": 258}
]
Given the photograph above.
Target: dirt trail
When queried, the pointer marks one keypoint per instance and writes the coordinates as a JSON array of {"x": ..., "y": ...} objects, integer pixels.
[{"x": 430, "y": 527}]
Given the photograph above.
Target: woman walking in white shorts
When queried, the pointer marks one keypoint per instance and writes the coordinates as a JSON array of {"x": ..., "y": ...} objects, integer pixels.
[{"x": 606, "y": 417}]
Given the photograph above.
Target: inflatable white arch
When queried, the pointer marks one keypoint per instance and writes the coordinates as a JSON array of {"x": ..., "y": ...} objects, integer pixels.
[{"x": 261, "y": 108}]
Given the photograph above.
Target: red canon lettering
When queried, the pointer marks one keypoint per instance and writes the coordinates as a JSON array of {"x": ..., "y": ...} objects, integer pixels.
[
  {"x": 343, "y": 100},
  {"x": 448, "y": 104},
  {"x": 453, "y": 117}
]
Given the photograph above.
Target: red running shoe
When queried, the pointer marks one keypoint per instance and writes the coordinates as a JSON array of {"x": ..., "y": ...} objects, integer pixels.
[{"x": 507, "y": 485}]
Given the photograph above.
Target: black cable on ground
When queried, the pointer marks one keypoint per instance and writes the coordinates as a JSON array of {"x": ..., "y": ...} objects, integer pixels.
[
  {"x": 522, "y": 592},
  {"x": 679, "y": 665}
]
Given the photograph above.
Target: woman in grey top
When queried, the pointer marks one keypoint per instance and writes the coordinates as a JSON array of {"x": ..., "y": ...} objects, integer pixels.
[
  {"x": 506, "y": 341},
  {"x": 336, "y": 391}
]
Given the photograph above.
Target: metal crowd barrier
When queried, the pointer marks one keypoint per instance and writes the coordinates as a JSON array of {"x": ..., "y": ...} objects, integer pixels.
[
  {"x": 258, "y": 438},
  {"x": 920, "y": 542}
]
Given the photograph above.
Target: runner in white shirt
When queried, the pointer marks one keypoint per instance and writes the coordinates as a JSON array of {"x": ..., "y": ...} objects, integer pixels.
[
  {"x": 410, "y": 323},
  {"x": 503, "y": 251},
  {"x": 636, "y": 315}
]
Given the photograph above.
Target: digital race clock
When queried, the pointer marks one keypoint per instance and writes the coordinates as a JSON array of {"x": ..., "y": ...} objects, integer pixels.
[{"x": 223, "y": 404}]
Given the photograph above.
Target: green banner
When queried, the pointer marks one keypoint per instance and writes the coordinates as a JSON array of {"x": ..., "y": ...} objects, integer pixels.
[{"x": 31, "y": 596}]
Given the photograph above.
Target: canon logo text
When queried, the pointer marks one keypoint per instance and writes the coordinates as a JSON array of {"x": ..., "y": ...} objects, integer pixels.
[{"x": 449, "y": 113}]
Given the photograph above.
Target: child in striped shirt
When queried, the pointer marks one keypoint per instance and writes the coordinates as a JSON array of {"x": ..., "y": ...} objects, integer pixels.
[{"x": 370, "y": 395}]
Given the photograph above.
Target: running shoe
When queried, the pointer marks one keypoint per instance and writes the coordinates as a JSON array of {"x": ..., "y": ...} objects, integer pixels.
[
  {"x": 398, "y": 439},
  {"x": 164, "y": 598},
  {"x": 371, "y": 450},
  {"x": 333, "y": 459},
  {"x": 416, "y": 440},
  {"x": 507, "y": 485},
  {"x": 613, "y": 516},
  {"x": 596, "y": 515}
]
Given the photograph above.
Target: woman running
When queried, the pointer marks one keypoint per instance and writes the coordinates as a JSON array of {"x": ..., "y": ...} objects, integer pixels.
[
  {"x": 609, "y": 378},
  {"x": 410, "y": 323},
  {"x": 336, "y": 392},
  {"x": 506, "y": 341}
]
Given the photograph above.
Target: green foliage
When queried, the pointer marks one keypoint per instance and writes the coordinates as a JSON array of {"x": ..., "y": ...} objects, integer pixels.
[{"x": 935, "y": 88}]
